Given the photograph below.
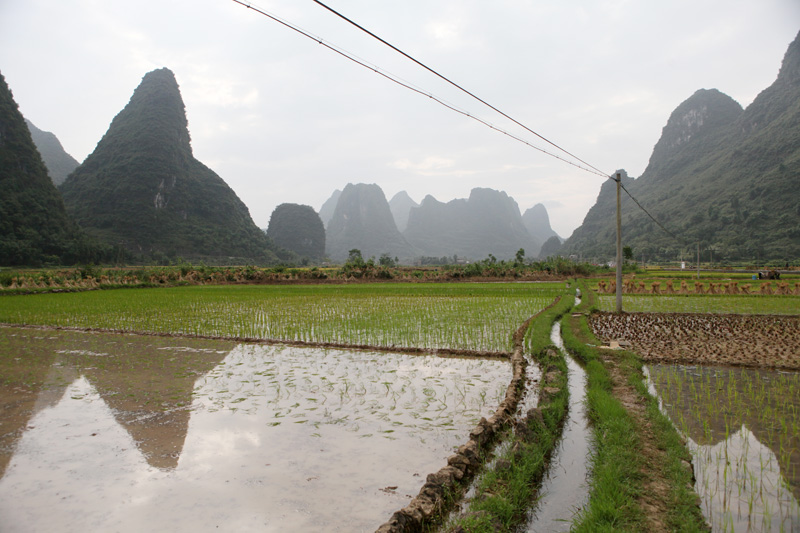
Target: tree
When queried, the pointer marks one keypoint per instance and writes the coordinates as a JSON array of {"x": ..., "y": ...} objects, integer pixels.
[
  {"x": 627, "y": 253},
  {"x": 519, "y": 259},
  {"x": 387, "y": 261}
]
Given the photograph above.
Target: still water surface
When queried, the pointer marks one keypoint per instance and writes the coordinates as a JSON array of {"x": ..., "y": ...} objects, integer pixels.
[
  {"x": 742, "y": 427},
  {"x": 106, "y": 432}
]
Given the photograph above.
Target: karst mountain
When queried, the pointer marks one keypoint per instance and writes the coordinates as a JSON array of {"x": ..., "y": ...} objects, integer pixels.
[
  {"x": 488, "y": 222},
  {"x": 363, "y": 220},
  {"x": 142, "y": 189},
  {"x": 58, "y": 162},
  {"x": 720, "y": 178}
]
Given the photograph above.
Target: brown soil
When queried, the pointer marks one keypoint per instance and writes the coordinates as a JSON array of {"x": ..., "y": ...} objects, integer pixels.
[{"x": 770, "y": 341}]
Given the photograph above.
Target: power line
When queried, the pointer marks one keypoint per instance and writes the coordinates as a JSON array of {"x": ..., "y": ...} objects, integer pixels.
[
  {"x": 660, "y": 225},
  {"x": 397, "y": 80},
  {"x": 459, "y": 87}
]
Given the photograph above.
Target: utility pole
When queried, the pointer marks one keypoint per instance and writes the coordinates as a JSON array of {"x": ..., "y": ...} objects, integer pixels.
[
  {"x": 698, "y": 259},
  {"x": 618, "y": 179}
]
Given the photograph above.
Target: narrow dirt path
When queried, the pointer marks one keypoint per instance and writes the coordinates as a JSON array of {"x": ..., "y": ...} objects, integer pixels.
[{"x": 653, "y": 499}]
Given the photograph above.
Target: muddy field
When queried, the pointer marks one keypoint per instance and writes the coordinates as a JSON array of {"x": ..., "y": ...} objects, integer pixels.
[{"x": 744, "y": 340}]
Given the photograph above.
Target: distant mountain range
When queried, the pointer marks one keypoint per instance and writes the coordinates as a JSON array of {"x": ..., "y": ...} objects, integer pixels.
[
  {"x": 488, "y": 222},
  {"x": 721, "y": 177}
]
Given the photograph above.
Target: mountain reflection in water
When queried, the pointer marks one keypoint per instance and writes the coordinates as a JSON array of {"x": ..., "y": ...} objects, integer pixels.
[
  {"x": 739, "y": 426},
  {"x": 128, "y": 433}
]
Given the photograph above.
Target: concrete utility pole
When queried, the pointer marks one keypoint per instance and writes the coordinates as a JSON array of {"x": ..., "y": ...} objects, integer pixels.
[
  {"x": 618, "y": 179},
  {"x": 698, "y": 259}
]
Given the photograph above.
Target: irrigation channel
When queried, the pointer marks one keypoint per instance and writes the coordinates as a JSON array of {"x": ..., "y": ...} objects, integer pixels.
[
  {"x": 742, "y": 426},
  {"x": 565, "y": 488},
  {"x": 113, "y": 432}
]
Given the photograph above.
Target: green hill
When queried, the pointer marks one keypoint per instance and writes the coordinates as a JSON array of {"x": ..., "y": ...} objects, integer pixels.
[
  {"x": 143, "y": 189},
  {"x": 719, "y": 176},
  {"x": 298, "y": 228},
  {"x": 34, "y": 226}
]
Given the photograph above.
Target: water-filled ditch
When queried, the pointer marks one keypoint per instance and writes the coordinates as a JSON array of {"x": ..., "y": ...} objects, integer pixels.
[
  {"x": 742, "y": 426},
  {"x": 565, "y": 488},
  {"x": 129, "y": 433}
]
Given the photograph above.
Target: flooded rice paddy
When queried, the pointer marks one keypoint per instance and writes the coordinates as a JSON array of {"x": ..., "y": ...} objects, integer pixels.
[
  {"x": 743, "y": 429},
  {"x": 131, "y": 433}
]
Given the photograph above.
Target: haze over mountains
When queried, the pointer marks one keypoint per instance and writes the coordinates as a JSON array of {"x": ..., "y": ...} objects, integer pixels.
[
  {"x": 488, "y": 222},
  {"x": 720, "y": 176}
]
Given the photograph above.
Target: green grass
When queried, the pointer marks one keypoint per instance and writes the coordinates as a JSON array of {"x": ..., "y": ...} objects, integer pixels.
[
  {"x": 708, "y": 303},
  {"x": 454, "y": 316}
]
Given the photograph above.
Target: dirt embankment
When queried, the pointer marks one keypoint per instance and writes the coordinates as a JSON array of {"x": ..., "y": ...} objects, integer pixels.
[{"x": 771, "y": 341}]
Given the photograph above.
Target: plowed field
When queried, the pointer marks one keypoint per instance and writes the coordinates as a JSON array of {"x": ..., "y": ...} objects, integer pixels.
[{"x": 748, "y": 340}]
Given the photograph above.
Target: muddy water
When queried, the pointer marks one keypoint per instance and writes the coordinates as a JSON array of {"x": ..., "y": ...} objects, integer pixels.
[
  {"x": 125, "y": 433},
  {"x": 565, "y": 489},
  {"x": 743, "y": 429}
]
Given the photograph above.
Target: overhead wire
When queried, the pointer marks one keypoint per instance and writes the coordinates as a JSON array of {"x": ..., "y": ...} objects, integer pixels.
[
  {"x": 397, "y": 80},
  {"x": 660, "y": 225},
  {"x": 459, "y": 87}
]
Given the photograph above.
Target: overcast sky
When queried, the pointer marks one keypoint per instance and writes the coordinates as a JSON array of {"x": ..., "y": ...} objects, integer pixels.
[{"x": 283, "y": 119}]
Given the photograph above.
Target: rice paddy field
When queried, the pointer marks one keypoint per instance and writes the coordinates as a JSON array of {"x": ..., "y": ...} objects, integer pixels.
[
  {"x": 742, "y": 426},
  {"x": 197, "y": 424},
  {"x": 726, "y": 369},
  {"x": 309, "y": 407},
  {"x": 473, "y": 317}
]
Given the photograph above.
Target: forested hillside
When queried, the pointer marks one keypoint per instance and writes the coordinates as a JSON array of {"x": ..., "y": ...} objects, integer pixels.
[
  {"x": 142, "y": 189},
  {"x": 719, "y": 176},
  {"x": 34, "y": 226}
]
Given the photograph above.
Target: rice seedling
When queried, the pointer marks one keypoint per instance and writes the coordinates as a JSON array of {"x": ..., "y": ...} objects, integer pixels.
[
  {"x": 477, "y": 317},
  {"x": 744, "y": 440}
]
